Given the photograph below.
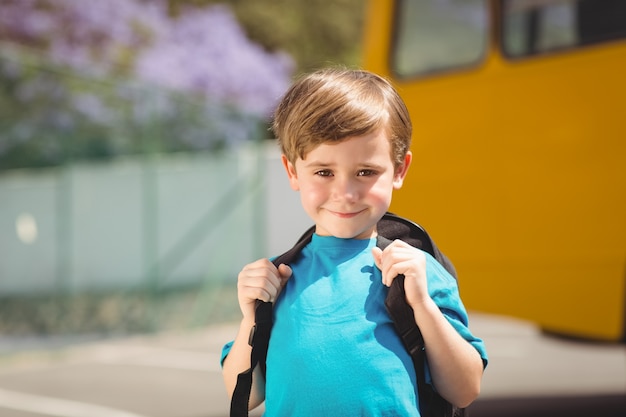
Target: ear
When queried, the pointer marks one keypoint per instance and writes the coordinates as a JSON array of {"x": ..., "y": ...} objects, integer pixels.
[
  {"x": 292, "y": 175},
  {"x": 402, "y": 170}
]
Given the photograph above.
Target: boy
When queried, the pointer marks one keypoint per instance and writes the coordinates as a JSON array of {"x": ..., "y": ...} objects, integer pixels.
[{"x": 345, "y": 137}]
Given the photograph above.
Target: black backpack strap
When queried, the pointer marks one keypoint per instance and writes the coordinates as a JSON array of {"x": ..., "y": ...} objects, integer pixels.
[
  {"x": 431, "y": 403},
  {"x": 260, "y": 336},
  {"x": 400, "y": 312},
  {"x": 394, "y": 227},
  {"x": 259, "y": 340}
]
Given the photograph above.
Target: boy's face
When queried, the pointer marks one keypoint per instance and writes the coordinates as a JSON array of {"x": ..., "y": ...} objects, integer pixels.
[{"x": 346, "y": 187}]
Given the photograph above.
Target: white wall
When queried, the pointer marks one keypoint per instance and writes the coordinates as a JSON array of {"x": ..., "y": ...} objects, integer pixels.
[{"x": 126, "y": 223}]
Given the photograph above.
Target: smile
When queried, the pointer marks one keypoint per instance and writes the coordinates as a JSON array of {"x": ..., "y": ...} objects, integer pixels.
[{"x": 345, "y": 215}]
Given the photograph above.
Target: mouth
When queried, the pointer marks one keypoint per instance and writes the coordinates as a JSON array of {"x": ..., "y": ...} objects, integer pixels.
[{"x": 345, "y": 214}]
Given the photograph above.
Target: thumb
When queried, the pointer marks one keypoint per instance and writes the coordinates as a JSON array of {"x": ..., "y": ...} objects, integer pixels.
[
  {"x": 378, "y": 257},
  {"x": 284, "y": 272}
]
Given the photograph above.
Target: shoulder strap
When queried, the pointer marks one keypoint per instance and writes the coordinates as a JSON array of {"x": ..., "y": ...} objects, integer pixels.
[
  {"x": 260, "y": 336},
  {"x": 431, "y": 403},
  {"x": 394, "y": 227},
  {"x": 390, "y": 227},
  {"x": 259, "y": 340}
]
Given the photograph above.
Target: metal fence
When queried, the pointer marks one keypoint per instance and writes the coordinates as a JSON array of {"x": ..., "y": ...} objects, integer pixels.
[{"x": 135, "y": 243}]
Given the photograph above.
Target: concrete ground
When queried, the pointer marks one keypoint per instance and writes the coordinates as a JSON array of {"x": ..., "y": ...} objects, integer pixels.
[{"x": 178, "y": 375}]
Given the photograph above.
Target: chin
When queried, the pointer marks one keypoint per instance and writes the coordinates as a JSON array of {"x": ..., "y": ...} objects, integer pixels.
[
  {"x": 348, "y": 228},
  {"x": 356, "y": 234},
  {"x": 345, "y": 235}
]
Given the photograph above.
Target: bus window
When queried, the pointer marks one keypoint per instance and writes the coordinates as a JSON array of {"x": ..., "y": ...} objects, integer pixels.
[
  {"x": 531, "y": 27},
  {"x": 432, "y": 36}
]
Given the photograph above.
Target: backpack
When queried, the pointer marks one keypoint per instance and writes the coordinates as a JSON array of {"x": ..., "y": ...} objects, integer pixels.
[{"x": 389, "y": 228}]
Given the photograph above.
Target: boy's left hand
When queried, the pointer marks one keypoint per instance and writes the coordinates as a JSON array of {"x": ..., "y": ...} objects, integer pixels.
[{"x": 401, "y": 258}]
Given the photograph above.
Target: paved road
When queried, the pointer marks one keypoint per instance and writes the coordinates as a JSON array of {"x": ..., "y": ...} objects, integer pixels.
[{"x": 177, "y": 375}]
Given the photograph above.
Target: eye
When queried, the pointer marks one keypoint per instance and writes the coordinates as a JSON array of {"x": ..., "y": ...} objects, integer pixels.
[
  {"x": 366, "y": 173},
  {"x": 324, "y": 173}
]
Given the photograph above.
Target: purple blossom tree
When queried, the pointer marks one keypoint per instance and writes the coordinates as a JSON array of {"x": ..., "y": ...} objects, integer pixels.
[
  {"x": 217, "y": 60},
  {"x": 113, "y": 69}
]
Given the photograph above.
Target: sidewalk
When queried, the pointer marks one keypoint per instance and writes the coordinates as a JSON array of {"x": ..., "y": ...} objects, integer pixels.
[
  {"x": 178, "y": 374},
  {"x": 525, "y": 362}
]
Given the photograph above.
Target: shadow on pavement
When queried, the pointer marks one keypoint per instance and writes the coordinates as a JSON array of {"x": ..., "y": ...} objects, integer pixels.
[{"x": 570, "y": 406}]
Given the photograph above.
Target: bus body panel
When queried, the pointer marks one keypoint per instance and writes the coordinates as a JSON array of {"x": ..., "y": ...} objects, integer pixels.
[{"x": 519, "y": 173}]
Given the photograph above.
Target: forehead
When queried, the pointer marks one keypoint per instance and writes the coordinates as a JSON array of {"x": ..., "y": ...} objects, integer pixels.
[{"x": 374, "y": 146}]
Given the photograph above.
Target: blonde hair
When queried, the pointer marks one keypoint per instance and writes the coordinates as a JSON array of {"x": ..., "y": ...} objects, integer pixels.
[{"x": 333, "y": 104}]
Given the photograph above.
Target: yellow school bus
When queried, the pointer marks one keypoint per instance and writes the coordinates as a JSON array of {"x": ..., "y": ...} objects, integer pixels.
[{"x": 519, "y": 172}]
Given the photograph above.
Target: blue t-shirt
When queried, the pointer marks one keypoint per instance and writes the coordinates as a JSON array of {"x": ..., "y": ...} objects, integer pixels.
[{"x": 333, "y": 348}]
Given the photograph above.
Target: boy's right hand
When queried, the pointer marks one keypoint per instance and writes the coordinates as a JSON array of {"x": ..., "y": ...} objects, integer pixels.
[{"x": 260, "y": 280}]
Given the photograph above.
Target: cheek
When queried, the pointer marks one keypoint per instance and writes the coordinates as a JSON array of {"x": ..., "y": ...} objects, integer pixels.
[
  {"x": 312, "y": 195},
  {"x": 380, "y": 194}
]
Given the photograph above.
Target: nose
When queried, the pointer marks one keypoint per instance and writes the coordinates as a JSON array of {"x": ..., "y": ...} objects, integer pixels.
[{"x": 346, "y": 189}]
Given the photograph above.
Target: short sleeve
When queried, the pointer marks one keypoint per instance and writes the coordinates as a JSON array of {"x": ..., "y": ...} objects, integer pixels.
[
  {"x": 225, "y": 352},
  {"x": 444, "y": 290}
]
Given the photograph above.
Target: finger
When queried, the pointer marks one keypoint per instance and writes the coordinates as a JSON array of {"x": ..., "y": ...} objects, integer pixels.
[
  {"x": 392, "y": 261},
  {"x": 256, "y": 288},
  {"x": 263, "y": 269},
  {"x": 383, "y": 261},
  {"x": 259, "y": 280}
]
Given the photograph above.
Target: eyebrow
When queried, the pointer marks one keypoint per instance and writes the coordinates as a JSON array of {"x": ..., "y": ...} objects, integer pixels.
[
  {"x": 316, "y": 163},
  {"x": 320, "y": 164}
]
